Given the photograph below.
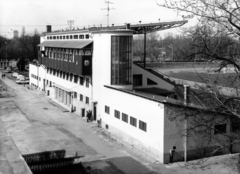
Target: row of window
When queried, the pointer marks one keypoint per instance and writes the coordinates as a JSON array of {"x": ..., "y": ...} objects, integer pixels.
[
  {"x": 222, "y": 128},
  {"x": 70, "y": 77},
  {"x": 81, "y": 98},
  {"x": 36, "y": 77},
  {"x": 81, "y": 36},
  {"x": 133, "y": 121},
  {"x": 65, "y": 54}
]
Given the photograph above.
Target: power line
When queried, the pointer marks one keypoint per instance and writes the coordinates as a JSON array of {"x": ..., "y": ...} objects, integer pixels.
[{"x": 108, "y": 9}]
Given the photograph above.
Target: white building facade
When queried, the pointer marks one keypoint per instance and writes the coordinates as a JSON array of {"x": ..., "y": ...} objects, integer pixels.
[{"x": 93, "y": 70}]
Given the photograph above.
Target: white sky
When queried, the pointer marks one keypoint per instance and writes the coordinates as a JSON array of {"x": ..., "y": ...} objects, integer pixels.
[{"x": 38, "y": 13}]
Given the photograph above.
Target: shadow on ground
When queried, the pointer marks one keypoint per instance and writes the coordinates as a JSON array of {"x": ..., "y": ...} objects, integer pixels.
[{"x": 120, "y": 165}]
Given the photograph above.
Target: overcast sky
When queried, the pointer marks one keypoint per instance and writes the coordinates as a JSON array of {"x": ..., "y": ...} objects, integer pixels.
[{"x": 38, "y": 13}]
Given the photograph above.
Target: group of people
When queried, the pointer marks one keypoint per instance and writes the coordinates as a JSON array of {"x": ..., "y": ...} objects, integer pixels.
[{"x": 3, "y": 76}]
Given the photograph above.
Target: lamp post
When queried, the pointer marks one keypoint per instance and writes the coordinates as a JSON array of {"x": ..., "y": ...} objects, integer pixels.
[
  {"x": 6, "y": 50},
  {"x": 172, "y": 50}
]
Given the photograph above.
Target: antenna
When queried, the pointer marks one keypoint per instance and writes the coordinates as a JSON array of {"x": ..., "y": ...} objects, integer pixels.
[
  {"x": 70, "y": 23},
  {"x": 108, "y": 9}
]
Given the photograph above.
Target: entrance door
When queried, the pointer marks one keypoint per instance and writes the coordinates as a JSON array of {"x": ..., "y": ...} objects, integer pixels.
[
  {"x": 95, "y": 112},
  {"x": 44, "y": 81}
]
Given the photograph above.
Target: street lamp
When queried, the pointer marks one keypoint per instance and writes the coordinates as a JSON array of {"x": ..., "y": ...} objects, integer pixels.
[
  {"x": 6, "y": 49},
  {"x": 172, "y": 50}
]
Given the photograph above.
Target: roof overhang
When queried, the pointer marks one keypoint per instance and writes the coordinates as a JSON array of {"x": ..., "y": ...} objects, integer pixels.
[
  {"x": 66, "y": 44},
  {"x": 63, "y": 88},
  {"x": 143, "y": 28}
]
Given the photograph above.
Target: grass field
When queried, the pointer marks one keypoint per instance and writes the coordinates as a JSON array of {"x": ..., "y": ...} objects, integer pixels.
[{"x": 228, "y": 79}]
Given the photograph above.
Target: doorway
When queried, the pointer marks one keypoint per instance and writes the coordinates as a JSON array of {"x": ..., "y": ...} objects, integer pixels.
[{"x": 95, "y": 112}]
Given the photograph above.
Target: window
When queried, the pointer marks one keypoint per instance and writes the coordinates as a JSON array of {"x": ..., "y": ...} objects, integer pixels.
[
  {"x": 63, "y": 37},
  {"x": 67, "y": 37},
  {"x": 60, "y": 37},
  {"x": 87, "y": 36},
  {"x": 142, "y": 125},
  {"x": 133, "y": 121},
  {"x": 54, "y": 37},
  {"x": 57, "y": 37},
  {"x": 81, "y": 80},
  {"x": 125, "y": 117},
  {"x": 75, "y": 95},
  {"x": 117, "y": 114},
  {"x": 81, "y": 36},
  {"x": 75, "y": 36},
  {"x": 75, "y": 78},
  {"x": 87, "y": 82},
  {"x": 107, "y": 109},
  {"x": 121, "y": 60},
  {"x": 236, "y": 125},
  {"x": 71, "y": 37},
  {"x": 50, "y": 37},
  {"x": 137, "y": 80},
  {"x": 81, "y": 97},
  {"x": 220, "y": 129},
  {"x": 87, "y": 100}
]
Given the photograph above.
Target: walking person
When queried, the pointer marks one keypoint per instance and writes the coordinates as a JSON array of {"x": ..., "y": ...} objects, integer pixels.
[{"x": 171, "y": 154}]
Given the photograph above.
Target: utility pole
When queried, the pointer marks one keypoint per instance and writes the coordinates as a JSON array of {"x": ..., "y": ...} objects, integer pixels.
[
  {"x": 108, "y": 9},
  {"x": 6, "y": 50},
  {"x": 70, "y": 23}
]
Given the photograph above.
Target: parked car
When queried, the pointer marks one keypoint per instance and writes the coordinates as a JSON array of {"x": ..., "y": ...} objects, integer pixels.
[
  {"x": 15, "y": 74},
  {"x": 20, "y": 77},
  {"x": 22, "y": 81}
]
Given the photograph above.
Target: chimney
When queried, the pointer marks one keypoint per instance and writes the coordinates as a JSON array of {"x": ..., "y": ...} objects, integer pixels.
[
  {"x": 127, "y": 26},
  {"x": 49, "y": 28},
  {"x": 186, "y": 94}
]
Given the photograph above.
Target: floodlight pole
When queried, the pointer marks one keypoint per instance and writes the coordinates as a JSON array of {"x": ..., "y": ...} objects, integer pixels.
[{"x": 144, "y": 58}]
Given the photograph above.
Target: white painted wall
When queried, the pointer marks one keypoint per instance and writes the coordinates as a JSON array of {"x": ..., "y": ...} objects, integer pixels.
[
  {"x": 76, "y": 87},
  {"x": 145, "y": 74},
  {"x": 150, "y": 142},
  {"x": 102, "y": 65}
]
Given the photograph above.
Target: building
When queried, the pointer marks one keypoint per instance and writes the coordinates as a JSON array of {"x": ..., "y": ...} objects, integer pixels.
[
  {"x": 15, "y": 34},
  {"x": 92, "y": 69}
]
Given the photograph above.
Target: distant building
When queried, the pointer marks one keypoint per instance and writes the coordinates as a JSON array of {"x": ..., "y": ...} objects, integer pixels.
[{"x": 15, "y": 34}]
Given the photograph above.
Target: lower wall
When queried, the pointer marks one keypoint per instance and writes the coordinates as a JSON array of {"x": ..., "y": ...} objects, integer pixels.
[
  {"x": 151, "y": 113},
  {"x": 135, "y": 143}
]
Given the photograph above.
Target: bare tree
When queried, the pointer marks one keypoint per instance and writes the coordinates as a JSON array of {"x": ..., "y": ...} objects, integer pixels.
[{"x": 215, "y": 105}]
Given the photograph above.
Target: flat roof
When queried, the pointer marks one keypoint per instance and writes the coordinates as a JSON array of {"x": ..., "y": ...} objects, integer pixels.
[
  {"x": 66, "y": 44},
  {"x": 63, "y": 88},
  {"x": 142, "y": 28},
  {"x": 154, "y": 91}
]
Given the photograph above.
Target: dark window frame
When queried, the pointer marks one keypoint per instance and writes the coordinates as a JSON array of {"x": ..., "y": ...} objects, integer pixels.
[
  {"x": 143, "y": 125},
  {"x": 121, "y": 60},
  {"x": 220, "y": 128},
  {"x": 125, "y": 117},
  {"x": 81, "y": 97},
  {"x": 117, "y": 114},
  {"x": 107, "y": 109},
  {"x": 133, "y": 121},
  {"x": 87, "y": 100}
]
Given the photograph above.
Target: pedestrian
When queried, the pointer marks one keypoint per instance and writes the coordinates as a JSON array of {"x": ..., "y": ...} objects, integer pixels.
[{"x": 171, "y": 154}]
